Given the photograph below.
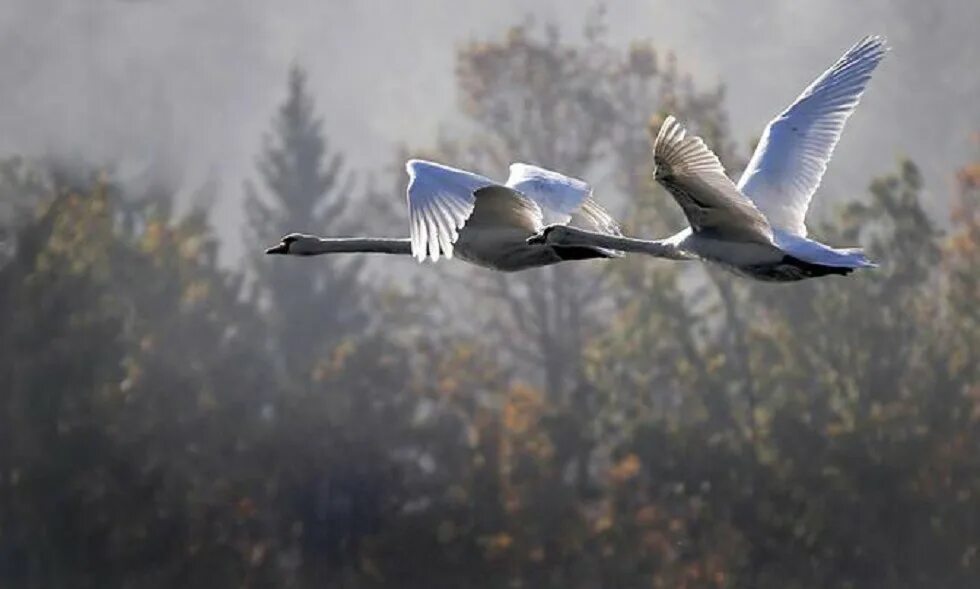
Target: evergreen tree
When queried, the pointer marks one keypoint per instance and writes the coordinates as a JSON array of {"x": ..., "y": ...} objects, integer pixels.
[{"x": 306, "y": 189}]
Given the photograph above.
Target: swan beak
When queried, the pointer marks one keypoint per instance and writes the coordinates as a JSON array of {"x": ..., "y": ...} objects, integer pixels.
[
  {"x": 537, "y": 239},
  {"x": 282, "y": 248}
]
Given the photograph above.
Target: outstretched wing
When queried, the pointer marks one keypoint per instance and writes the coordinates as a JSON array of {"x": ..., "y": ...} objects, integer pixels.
[
  {"x": 440, "y": 200},
  {"x": 792, "y": 155},
  {"x": 561, "y": 198},
  {"x": 696, "y": 179}
]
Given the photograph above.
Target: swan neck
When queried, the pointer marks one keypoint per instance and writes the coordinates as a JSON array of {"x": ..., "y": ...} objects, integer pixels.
[{"x": 376, "y": 245}]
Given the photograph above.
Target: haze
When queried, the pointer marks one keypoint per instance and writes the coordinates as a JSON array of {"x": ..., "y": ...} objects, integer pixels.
[{"x": 183, "y": 88}]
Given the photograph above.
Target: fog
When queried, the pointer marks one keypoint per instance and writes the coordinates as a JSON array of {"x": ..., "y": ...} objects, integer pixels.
[
  {"x": 178, "y": 409},
  {"x": 184, "y": 88}
]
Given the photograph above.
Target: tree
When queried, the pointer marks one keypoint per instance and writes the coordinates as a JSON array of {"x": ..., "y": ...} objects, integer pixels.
[
  {"x": 842, "y": 471},
  {"x": 307, "y": 190},
  {"x": 120, "y": 335},
  {"x": 576, "y": 109}
]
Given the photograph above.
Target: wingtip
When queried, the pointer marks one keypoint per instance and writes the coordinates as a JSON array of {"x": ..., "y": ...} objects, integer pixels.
[
  {"x": 666, "y": 128},
  {"x": 672, "y": 135},
  {"x": 875, "y": 42},
  {"x": 412, "y": 165}
]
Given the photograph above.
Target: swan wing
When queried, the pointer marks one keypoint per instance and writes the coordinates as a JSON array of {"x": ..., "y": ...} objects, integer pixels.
[
  {"x": 499, "y": 207},
  {"x": 440, "y": 200},
  {"x": 694, "y": 176},
  {"x": 562, "y": 199},
  {"x": 796, "y": 146}
]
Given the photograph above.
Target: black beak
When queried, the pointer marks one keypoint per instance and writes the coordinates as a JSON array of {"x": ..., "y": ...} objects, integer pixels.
[
  {"x": 536, "y": 239},
  {"x": 282, "y": 248}
]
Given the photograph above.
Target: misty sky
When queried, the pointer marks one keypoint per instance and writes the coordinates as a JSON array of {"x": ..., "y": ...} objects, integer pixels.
[{"x": 187, "y": 87}]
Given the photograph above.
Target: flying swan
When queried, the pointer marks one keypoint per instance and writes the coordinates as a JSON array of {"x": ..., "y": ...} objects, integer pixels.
[
  {"x": 455, "y": 212},
  {"x": 756, "y": 228}
]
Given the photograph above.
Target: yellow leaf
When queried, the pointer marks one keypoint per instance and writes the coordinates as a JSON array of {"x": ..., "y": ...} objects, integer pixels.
[{"x": 625, "y": 469}]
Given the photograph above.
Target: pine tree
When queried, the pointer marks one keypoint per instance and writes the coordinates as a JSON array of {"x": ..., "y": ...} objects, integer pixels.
[{"x": 315, "y": 303}]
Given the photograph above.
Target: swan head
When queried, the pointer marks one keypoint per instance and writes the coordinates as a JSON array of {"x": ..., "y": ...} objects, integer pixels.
[
  {"x": 294, "y": 244},
  {"x": 550, "y": 235}
]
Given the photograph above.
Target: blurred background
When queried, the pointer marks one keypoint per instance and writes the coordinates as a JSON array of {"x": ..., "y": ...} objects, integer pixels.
[{"x": 177, "y": 410}]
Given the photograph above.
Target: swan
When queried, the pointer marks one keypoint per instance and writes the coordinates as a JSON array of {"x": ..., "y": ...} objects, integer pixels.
[
  {"x": 455, "y": 212},
  {"x": 756, "y": 228}
]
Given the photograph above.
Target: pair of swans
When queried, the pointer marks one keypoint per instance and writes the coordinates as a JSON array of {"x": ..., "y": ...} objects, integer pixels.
[{"x": 755, "y": 228}]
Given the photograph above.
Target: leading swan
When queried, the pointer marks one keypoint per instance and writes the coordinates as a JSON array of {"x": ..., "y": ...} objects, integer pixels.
[
  {"x": 757, "y": 227},
  {"x": 483, "y": 222}
]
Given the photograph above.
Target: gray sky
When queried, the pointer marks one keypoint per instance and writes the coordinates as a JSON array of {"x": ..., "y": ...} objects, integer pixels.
[{"x": 189, "y": 86}]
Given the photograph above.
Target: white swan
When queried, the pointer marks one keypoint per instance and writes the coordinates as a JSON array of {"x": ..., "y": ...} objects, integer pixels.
[
  {"x": 756, "y": 228},
  {"x": 481, "y": 221}
]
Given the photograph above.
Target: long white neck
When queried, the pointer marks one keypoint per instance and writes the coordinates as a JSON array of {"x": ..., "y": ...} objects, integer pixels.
[
  {"x": 653, "y": 247},
  {"x": 346, "y": 245}
]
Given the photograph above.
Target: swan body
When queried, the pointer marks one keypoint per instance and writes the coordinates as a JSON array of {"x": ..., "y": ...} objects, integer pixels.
[
  {"x": 756, "y": 228},
  {"x": 458, "y": 213}
]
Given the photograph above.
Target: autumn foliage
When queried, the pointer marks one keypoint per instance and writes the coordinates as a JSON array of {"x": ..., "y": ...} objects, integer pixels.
[{"x": 168, "y": 421}]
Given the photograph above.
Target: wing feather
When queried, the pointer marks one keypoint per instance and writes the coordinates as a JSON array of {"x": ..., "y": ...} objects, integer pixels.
[
  {"x": 796, "y": 146},
  {"x": 440, "y": 200},
  {"x": 694, "y": 176},
  {"x": 566, "y": 198}
]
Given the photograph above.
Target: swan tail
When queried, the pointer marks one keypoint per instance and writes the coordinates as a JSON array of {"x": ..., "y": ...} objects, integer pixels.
[
  {"x": 841, "y": 258},
  {"x": 815, "y": 252},
  {"x": 856, "y": 257}
]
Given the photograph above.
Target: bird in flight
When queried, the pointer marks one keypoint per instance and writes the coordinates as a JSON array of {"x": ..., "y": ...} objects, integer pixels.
[
  {"x": 455, "y": 212},
  {"x": 755, "y": 228}
]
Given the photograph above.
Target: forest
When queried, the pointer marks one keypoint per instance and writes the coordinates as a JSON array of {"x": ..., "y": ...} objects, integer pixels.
[{"x": 168, "y": 419}]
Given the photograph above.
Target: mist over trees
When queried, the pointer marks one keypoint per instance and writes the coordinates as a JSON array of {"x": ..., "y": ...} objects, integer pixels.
[
  {"x": 309, "y": 188},
  {"x": 167, "y": 420}
]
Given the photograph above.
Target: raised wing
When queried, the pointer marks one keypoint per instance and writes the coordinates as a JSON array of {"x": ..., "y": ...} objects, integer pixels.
[
  {"x": 561, "y": 198},
  {"x": 440, "y": 200},
  {"x": 792, "y": 155},
  {"x": 696, "y": 179}
]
